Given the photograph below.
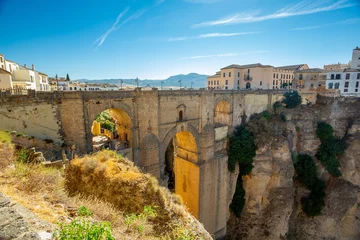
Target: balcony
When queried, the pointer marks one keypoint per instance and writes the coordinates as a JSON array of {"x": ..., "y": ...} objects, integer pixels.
[{"x": 247, "y": 78}]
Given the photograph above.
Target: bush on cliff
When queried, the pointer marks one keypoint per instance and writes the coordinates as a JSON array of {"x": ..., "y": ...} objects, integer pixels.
[
  {"x": 292, "y": 99},
  {"x": 242, "y": 150},
  {"x": 330, "y": 147},
  {"x": 306, "y": 172},
  {"x": 238, "y": 201}
]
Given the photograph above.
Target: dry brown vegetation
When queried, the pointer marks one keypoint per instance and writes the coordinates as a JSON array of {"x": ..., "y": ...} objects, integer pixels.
[{"x": 110, "y": 187}]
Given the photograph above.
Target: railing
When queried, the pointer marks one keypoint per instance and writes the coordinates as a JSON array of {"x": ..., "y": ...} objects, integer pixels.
[
  {"x": 247, "y": 78},
  {"x": 16, "y": 91}
]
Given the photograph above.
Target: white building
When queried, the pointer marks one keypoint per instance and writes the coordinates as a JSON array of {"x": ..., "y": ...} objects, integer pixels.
[
  {"x": 12, "y": 75},
  {"x": 346, "y": 80}
]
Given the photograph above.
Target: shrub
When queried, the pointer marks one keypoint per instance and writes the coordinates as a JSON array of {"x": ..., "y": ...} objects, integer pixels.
[
  {"x": 241, "y": 149},
  {"x": 276, "y": 106},
  {"x": 84, "y": 211},
  {"x": 48, "y": 141},
  {"x": 329, "y": 149},
  {"x": 306, "y": 170},
  {"x": 5, "y": 137},
  {"x": 22, "y": 155},
  {"x": 20, "y": 134},
  {"x": 324, "y": 131},
  {"x": 266, "y": 115},
  {"x": 283, "y": 117},
  {"x": 139, "y": 221},
  {"x": 292, "y": 99},
  {"x": 238, "y": 201},
  {"x": 84, "y": 229},
  {"x": 313, "y": 204},
  {"x": 106, "y": 121}
]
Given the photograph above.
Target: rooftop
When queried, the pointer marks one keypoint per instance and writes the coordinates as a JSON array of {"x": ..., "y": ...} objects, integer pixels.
[
  {"x": 246, "y": 66},
  {"x": 311, "y": 70},
  {"x": 291, "y": 67}
]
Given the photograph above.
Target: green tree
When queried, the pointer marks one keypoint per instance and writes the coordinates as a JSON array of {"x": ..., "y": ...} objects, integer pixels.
[
  {"x": 292, "y": 99},
  {"x": 67, "y": 77},
  {"x": 306, "y": 170},
  {"x": 284, "y": 85},
  {"x": 106, "y": 121}
]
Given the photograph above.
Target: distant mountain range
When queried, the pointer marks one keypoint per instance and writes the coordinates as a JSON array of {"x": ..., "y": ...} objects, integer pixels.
[{"x": 199, "y": 81}]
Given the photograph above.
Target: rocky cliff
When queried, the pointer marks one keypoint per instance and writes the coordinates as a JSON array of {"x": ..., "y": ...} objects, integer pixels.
[{"x": 273, "y": 197}]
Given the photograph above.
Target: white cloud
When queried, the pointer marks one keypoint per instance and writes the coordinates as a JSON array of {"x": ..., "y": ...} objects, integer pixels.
[
  {"x": 302, "y": 8},
  {"x": 224, "y": 55},
  {"x": 211, "y": 35},
  {"x": 102, "y": 39},
  {"x": 343, "y": 22}
]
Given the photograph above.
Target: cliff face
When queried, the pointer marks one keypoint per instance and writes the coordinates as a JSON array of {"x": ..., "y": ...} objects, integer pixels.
[{"x": 273, "y": 198}]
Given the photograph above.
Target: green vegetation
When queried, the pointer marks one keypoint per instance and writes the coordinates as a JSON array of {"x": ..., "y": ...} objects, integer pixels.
[
  {"x": 238, "y": 201},
  {"x": 67, "y": 77},
  {"x": 106, "y": 121},
  {"x": 139, "y": 221},
  {"x": 5, "y": 137},
  {"x": 313, "y": 204},
  {"x": 84, "y": 211},
  {"x": 22, "y": 155},
  {"x": 292, "y": 99},
  {"x": 242, "y": 150},
  {"x": 84, "y": 229},
  {"x": 330, "y": 147},
  {"x": 276, "y": 106},
  {"x": 20, "y": 134},
  {"x": 306, "y": 171},
  {"x": 266, "y": 115}
]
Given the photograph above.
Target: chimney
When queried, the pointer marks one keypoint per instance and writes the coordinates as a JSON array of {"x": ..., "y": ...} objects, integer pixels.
[
  {"x": 32, "y": 66},
  {"x": 24, "y": 65}
]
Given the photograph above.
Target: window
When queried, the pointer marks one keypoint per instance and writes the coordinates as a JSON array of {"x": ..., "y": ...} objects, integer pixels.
[
  {"x": 356, "y": 90},
  {"x": 229, "y": 74},
  {"x": 346, "y": 90},
  {"x": 217, "y": 82},
  {"x": 226, "y": 87},
  {"x": 274, "y": 75},
  {"x": 337, "y": 85},
  {"x": 248, "y": 71},
  {"x": 238, "y": 74},
  {"x": 281, "y": 76},
  {"x": 1, "y": 59},
  {"x": 300, "y": 76},
  {"x": 273, "y": 82},
  {"x": 348, "y": 76},
  {"x": 338, "y": 76},
  {"x": 332, "y": 76},
  {"x": 226, "y": 82},
  {"x": 277, "y": 82},
  {"x": 74, "y": 88},
  {"x": 357, "y": 84},
  {"x": 260, "y": 83},
  {"x": 70, "y": 88},
  {"x": 181, "y": 115},
  {"x": 224, "y": 74},
  {"x": 312, "y": 85},
  {"x": 238, "y": 87},
  {"x": 238, "y": 82},
  {"x": 209, "y": 83},
  {"x": 277, "y": 75},
  {"x": 358, "y": 76},
  {"x": 331, "y": 85},
  {"x": 346, "y": 84}
]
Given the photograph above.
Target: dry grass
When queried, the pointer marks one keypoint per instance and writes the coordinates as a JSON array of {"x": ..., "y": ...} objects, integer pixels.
[
  {"x": 6, "y": 150},
  {"x": 111, "y": 187}
]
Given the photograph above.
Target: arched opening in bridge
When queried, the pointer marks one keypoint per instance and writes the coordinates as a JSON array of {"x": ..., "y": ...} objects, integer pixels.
[
  {"x": 112, "y": 129},
  {"x": 181, "y": 115},
  {"x": 248, "y": 85},
  {"x": 222, "y": 114},
  {"x": 183, "y": 173}
]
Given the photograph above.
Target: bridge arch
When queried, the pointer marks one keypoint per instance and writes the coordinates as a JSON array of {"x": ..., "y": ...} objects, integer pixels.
[
  {"x": 179, "y": 164},
  {"x": 119, "y": 137}
]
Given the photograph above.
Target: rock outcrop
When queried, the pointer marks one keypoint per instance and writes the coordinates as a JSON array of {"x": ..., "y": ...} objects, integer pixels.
[{"x": 273, "y": 198}]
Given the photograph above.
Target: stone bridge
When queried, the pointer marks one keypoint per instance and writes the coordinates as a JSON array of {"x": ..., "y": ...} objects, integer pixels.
[{"x": 177, "y": 136}]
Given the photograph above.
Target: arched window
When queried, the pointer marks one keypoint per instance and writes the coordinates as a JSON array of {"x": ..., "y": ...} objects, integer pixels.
[
  {"x": 248, "y": 85},
  {"x": 260, "y": 83},
  {"x": 181, "y": 115}
]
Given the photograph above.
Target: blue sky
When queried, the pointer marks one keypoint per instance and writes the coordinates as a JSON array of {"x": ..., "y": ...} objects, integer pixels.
[{"x": 155, "y": 39}]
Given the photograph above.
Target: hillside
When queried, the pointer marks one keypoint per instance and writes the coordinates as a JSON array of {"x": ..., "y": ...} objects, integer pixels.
[
  {"x": 102, "y": 194},
  {"x": 199, "y": 81}
]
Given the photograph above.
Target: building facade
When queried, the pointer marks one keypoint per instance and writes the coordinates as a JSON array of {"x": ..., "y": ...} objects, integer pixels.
[
  {"x": 311, "y": 78},
  {"x": 252, "y": 76},
  {"x": 283, "y": 76},
  {"x": 346, "y": 80},
  {"x": 12, "y": 75}
]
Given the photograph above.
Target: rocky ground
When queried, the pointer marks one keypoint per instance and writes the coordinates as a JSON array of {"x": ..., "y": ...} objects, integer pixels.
[{"x": 18, "y": 223}]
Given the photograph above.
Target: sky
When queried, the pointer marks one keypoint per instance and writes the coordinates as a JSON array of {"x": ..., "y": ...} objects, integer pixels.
[{"x": 155, "y": 39}]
